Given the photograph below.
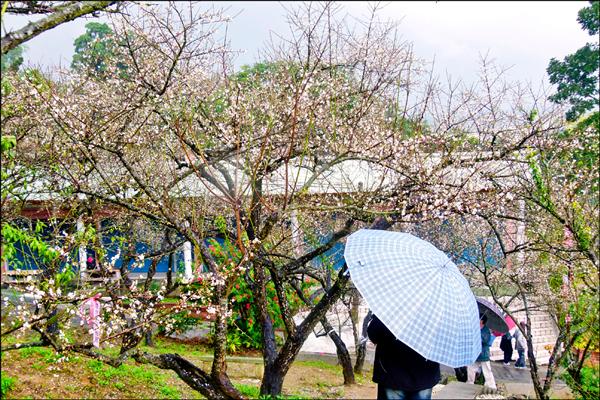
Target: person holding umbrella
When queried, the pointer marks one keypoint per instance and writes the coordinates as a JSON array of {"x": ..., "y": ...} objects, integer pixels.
[
  {"x": 399, "y": 371},
  {"x": 426, "y": 312},
  {"x": 483, "y": 361}
]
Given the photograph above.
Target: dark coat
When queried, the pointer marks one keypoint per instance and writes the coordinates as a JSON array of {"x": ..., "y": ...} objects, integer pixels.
[
  {"x": 506, "y": 342},
  {"x": 486, "y": 335},
  {"x": 397, "y": 366}
]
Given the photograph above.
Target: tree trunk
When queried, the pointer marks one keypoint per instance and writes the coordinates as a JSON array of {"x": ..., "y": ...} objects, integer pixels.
[
  {"x": 540, "y": 392},
  {"x": 342, "y": 352},
  {"x": 170, "y": 271},
  {"x": 361, "y": 349},
  {"x": 219, "y": 366},
  {"x": 275, "y": 371},
  {"x": 148, "y": 338},
  {"x": 210, "y": 386}
]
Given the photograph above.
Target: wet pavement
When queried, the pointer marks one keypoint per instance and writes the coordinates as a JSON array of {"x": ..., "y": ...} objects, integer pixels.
[{"x": 504, "y": 372}]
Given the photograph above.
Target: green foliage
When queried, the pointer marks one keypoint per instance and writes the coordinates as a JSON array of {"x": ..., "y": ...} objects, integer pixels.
[
  {"x": 584, "y": 315},
  {"x": 542, "y": 193},
  {"x": 12, "y": 60},
  {"x": 577, "y": 75},
  {"x": 588, "y": 384},
  {"x": 8, "y": 383},
  {"x": 95, "y": 50},
  {"x": 244, "y": 331},
  {"x": 13, "y": 235},
  {"x": 589, "y": 18},
  {"x": 8, "y": 146}
]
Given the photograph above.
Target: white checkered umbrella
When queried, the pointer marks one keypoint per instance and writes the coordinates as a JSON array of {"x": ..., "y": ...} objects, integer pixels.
[{"x": 418, "y": 293}]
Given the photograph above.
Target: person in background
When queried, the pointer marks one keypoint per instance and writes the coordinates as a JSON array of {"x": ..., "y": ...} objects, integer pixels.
[
  {"x": 507, "y": 347},
  {"x": 520, "y": 345},
  {"x": 399, "y": 371},
  {"x": 483, "y": 361}
]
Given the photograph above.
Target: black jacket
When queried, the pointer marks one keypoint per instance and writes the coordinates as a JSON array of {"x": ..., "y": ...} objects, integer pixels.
[
  {"x": 506, "y": 342},
  {"x": 397, "y": 366}
]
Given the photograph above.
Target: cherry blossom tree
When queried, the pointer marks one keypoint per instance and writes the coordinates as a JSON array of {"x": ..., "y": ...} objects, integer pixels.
[{"x": 339, "y": 127}]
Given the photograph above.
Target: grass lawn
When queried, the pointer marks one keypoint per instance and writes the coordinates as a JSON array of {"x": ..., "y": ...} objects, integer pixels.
[{"x": 41, "y": 373}]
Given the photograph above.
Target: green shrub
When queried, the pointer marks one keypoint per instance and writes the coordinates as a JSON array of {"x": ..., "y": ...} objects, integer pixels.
[
  {"x": 244, "y": 330},
  {"x": 587, "y": 385},
  {"x": 590, "y": 382}
]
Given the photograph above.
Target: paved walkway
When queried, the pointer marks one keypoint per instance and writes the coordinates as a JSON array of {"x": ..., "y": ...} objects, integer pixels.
[
  {"x": 503, "y": 373},
  {"x": 517, "y": 382}
]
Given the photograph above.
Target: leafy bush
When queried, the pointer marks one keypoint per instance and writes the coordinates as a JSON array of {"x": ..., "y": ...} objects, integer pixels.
[
  {"x": 590, "y": 383},
  {"x": 244, "y": 330},
  {"x": 587, "y": 386},
  {"x": 586, "y": 383}
]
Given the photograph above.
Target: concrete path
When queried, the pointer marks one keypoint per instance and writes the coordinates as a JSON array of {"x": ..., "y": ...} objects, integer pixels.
[
  {"x": 517, "y": 382},
  {"x": 458, "y": 390}
]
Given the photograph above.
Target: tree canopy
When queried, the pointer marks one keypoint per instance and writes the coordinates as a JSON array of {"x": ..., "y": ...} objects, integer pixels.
[
  {"x": 13, "y": 59},
  {"x": 577, "y": 75}
]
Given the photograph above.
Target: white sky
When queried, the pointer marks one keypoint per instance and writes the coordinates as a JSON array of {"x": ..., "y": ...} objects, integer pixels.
[{"x": 521, "y": 35}]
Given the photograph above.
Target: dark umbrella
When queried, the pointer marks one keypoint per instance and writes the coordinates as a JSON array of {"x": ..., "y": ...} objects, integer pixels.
[{"x": 494, "y": 315}]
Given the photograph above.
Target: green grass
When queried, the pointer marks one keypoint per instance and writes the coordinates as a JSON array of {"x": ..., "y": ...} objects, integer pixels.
[
  {"x": 170, "y": 392},
  {"x": 7, "y": 383},
  {"x": 49, "y": 355},
  {"x": 71, "y": 388},
  {"x": 253, "y": 392},
  {"x": 167, "y": 346},
  {"x": 249, "y": 391},
  {"x": 135, "y": 375},
  {"x": 362, "y": 378},
  {"x": 319, "y": 364}
]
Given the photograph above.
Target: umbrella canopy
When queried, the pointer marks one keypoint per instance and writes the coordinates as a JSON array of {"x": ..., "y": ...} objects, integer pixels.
[
  {"x": 496, "y": 321},
  {"x": 418, "y": 293},
  {"x": 509, "y": 322}
]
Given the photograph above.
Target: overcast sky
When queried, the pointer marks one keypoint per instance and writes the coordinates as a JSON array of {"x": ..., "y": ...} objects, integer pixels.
[{"x": 521, "y": 35}]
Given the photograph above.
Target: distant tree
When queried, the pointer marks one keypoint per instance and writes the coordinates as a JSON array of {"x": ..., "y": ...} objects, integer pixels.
[
  {"x": 12, "y": 60},
  {"x": 94, "y": 49},
  {"x": 577, "y": 75}
]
